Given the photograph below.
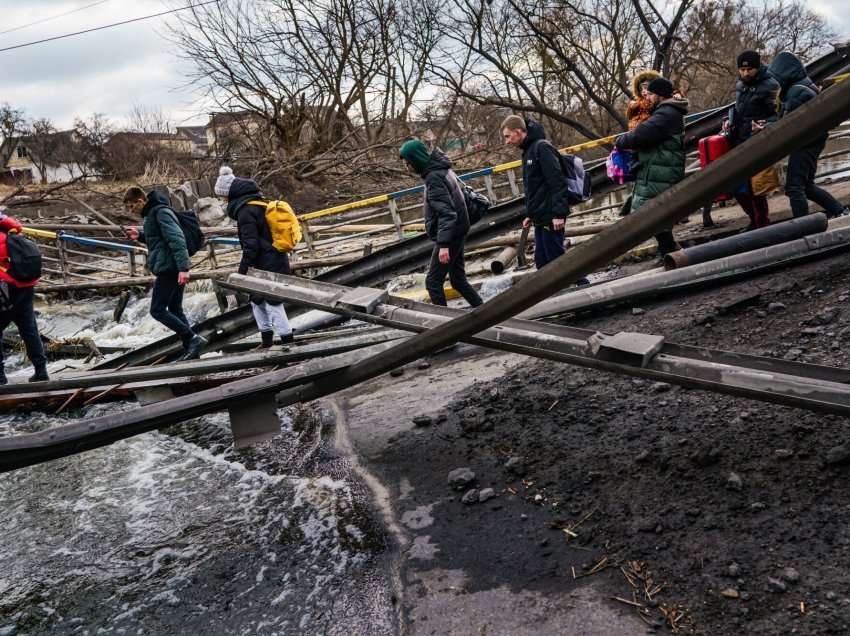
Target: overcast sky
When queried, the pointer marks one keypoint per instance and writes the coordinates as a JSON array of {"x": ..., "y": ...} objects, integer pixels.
[{"x": 111, "y": 70}]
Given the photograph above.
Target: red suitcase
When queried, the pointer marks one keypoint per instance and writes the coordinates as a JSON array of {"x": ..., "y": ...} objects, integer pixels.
[{"x": 710, "y": 149}]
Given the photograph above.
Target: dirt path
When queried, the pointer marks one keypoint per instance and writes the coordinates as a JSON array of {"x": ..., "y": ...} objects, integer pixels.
[{"x": 739, "y": 509}]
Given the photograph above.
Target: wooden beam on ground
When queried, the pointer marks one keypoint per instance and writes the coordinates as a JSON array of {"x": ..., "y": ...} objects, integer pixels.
[{"x": 273, "y": 357}]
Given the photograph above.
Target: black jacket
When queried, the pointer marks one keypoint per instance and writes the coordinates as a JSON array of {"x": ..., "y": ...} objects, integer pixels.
[
  {"x": 254, "y": 234},
  {"x": 755, "y": 100},
  {"x": 446, "y": 219},
  {"x": 667, "y": 120},
  {"x": 542, "y": 178}
]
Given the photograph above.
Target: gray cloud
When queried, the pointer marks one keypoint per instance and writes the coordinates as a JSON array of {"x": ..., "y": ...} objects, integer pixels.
[{"x": 106, "y": 71}]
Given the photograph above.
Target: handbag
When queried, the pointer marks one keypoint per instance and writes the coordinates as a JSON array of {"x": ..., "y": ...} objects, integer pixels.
[
  {"x": 620, "y": 166},
  {"x": 765, "y": 182}
]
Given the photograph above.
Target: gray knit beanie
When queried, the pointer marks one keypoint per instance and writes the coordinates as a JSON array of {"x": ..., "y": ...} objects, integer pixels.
[{"x": 225, "y": 178}]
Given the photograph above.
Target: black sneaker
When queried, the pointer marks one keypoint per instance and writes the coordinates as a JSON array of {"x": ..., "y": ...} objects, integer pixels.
[
  {"x": 267, "y": 339},
  {"x": 3, "y": 379},
  {"x": 196, "y": 345},
  {"x": 287, "y": 338}
]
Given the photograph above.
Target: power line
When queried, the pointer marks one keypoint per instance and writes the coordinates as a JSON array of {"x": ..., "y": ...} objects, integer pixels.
[
  {"x": 61, "y": 15},
  {"x": 107, "y": 26}
]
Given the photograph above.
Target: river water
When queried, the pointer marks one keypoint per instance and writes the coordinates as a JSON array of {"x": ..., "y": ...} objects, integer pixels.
[{"x": 175, "y": 532}]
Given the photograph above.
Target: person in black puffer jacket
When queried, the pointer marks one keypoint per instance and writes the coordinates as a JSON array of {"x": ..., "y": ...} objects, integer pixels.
[
  {"x": 796, "y": 88},
  {"x": 446, "y": 221},
  {"x": 546, "y": 193},
  {"x": 755, "y": 107},
  {"x": 246, "y": 206}
]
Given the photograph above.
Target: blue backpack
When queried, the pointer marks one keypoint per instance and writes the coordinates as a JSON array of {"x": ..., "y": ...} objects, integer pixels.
[{"x": 578, "y": 181}]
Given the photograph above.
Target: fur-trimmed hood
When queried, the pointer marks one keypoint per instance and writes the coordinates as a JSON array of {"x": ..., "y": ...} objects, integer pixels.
[{"x": 640, "y": 78}]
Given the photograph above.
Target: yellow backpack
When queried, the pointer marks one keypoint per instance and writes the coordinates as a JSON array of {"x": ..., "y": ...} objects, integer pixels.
[{"x": 283, "y": 224}]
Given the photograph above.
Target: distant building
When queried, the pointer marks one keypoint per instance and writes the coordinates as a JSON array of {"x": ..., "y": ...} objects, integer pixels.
[
  {"x": 234, "y": 132},
  {"x": 49, "y": 158},
  {"x": 195, "y": 138}
]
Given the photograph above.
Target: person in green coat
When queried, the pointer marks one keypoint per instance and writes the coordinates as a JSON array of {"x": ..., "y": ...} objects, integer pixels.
[
  {"x": 168, "y": 260},
  {"x": 658, "y": 142}
]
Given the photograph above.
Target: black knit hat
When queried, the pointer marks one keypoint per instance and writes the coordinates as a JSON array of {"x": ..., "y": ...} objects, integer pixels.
[
  {"x": 661, "y": 86},
  {"x": 749, "y": 59}
]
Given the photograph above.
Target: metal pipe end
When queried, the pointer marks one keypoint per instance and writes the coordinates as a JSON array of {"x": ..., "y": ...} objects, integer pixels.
[
  {"x": 676, "y": 259},
  {"x": 497, "y": 267}
]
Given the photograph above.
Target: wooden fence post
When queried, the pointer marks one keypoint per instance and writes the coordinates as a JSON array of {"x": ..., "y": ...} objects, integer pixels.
[
  {"x": 491, "y": 192},
  {"x": 512, "y": 182},
  {"x": 399, "y": 229},
  {"x": 308, "y": 239},
  {"x": 63, "y": 266}
]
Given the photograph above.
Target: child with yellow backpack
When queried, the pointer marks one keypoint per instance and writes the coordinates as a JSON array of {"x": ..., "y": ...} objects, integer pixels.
[{"x": 268, "y": 231}]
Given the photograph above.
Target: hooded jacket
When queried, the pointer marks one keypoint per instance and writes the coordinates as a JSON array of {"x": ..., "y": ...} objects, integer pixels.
[
  {"x": 9, "y": 224},
  {"x": 660, "y": 150},
  {"x": 755, "y": 100},
  {"x": 255, "y": 237},
  {"x": 164, "y": 237},
  {"x": 638, "y": 109},
  {"x": 542, "y": 178},
  {"x": 446, "y": 219},
  {"x": 795, "y": 86}
]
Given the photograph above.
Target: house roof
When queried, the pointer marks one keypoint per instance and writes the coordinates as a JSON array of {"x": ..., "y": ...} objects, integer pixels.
[
  {"x": 195, "y": 134},
  {"x": 63, "y": 147},
  {"x": 230, "y": 117}
]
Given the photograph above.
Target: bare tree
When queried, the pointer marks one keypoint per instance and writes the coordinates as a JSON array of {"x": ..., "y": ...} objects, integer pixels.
[
  {"x": 12, "y": 121},
  {"x": 43, "y": 142},
  {"x": 150, "y": 119}
]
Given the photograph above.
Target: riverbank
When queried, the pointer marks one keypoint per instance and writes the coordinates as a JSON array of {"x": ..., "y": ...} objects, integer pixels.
[{"x": 737, "y": 511}]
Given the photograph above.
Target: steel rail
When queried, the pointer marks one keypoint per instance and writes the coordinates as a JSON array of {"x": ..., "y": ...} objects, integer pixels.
[
  {"x": 819, "y": 115},
  {"x": 405, "y": 256}
]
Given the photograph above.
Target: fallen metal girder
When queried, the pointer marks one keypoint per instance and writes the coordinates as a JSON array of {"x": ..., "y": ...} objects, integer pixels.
[
  {"x": 254, "y": 421},
  {"x": 18, "y": 451},
  {"x": 639, "y": 285},
  {"x": 254, "y": 360},
  {"x": 748, "y": 241},
  {"x": 815, "y": 387},
  {"x": 822, "y": 113},
  {"x": 405, "y": 256}
]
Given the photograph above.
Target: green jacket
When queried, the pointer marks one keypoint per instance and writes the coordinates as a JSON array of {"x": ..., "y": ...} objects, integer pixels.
[
  {"x": 164, "y": 237},
  {"x": 660, "y": 151}
]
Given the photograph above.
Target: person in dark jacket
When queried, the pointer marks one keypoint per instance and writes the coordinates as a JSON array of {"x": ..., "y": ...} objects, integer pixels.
[
  {"x": 246, "y": 206},
  {"x": 546, "y": 193},
  {"x": 660, "y": 149},
  {"x": 20, "y": 307},
  {"x": 755, "y": 107},
  {"x": 168, "y": 261},
  {"x": 795, "y": 89},
  {"x": 446, "y": 221}
]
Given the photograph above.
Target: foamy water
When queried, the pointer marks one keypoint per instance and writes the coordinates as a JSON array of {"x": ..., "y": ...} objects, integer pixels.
[{"x": 176, "y": 532}]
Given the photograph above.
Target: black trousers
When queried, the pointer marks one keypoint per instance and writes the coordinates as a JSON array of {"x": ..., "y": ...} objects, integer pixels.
[
  {"x": 456, "y": 271},
  {"x": 167, "y": 305},
  {"x": 800, "y": 182},
  {"x": 23, "y": 316}
]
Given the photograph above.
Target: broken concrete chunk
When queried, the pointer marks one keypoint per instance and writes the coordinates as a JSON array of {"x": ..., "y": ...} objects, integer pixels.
[
  {"x": 460, "y": 478},
  {"x": 471, "y": 497}
]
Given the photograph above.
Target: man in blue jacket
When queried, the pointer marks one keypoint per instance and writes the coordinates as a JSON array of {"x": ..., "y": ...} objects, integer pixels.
[
  {"x": 795, "y": 89},
  {"x": 168, "y": 260},
  {"x": 545, "y": 185}
]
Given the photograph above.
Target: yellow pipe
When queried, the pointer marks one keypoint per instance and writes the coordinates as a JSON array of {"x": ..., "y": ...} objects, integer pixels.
[{"x": 40, "y": 233}]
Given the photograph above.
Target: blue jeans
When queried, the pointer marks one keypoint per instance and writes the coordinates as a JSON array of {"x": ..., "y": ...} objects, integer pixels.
[{"x": 167, "y": 305}]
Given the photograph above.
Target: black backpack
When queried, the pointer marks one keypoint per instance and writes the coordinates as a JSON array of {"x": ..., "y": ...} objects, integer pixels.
[
  {"x": 24, "y": 258},
  {"x": 191, "y": 227},
  {"x": 476, "y": 204}
]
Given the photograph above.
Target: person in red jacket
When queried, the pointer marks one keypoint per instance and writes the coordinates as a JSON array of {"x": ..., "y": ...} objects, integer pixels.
[{"x": 19, "y": 309}]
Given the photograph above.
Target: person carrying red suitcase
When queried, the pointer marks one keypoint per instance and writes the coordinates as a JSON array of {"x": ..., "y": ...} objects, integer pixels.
[{"x": 755, "y": 107}]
